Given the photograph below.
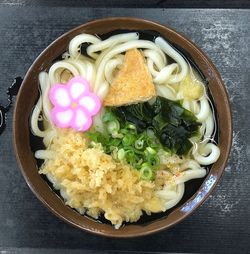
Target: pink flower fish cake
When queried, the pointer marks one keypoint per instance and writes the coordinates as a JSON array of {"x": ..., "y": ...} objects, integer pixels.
[{"x": 74, "y": 104}]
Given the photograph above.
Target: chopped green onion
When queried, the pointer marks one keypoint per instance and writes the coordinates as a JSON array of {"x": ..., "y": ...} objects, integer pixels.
[
  {"x": 128, "y": 140},
  {"x": 137, "y": 165},
  {"x": 117, "y": 135},
  {"x": 150, "y": 133},
  {"x": 121, "y": 154},
  {"x": 124, "y": 131},
  {"x": 113, "y": 127},
  {"x": 123, "y": 142},
  {"x": 153, "y": 160},
  {"x": 139, "y": 144},
  {"x": 130, "y": 157},
  {"x": 138, "y": 152},
  {"x": 150, "y": 150},
  {"x": 132, "y": 127},
  {"x": 146, "y": 172},
  {"x": 115, "y": 142},
  {"x": 108, "y": 117},
  {"x": 114, "y": 153}
]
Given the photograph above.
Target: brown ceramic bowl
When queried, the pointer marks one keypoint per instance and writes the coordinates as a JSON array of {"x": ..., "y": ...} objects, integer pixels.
[{"x": 28, "y": 95}]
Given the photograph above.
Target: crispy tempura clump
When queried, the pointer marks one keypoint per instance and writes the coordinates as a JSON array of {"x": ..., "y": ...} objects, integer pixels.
[
  {"x": 91, "y": 181},
  {"x": 133, "y": 83}
]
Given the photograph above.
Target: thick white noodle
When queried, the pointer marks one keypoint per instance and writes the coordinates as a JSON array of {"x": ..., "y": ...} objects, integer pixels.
[
  {"x": 85, "y": 68},
  {"x": 190, "y": 174},
  {"x": 75, "y": 43},
  {"x": 194, "y": 107},
  {"x": 101, "y": 56},
  {"x": 206, "y": 154},
  {"x": 79, "y": 65},
  {"x": 166, "y": 91},
  {"x": 90, "y": 73},
  {"x": 190, "y": 164},
  {"x": 155, "y": 58},
  {"x": 102, "y": 90},
  {"x": 151, "y": 68},
  {"x": 50, "y": 135},
  {"x": 175, "y": 56},
  {"x": 209, "y": 128},
  {"x": 57, "y": 68},
  {"x": 165, "y": 74},
  {"x": 186, "y": 104},
  {"x": 204, "y": 109},
  {"x": 35, "y": 119},
  {"x": 44, "y": 154},
  {"x": 111, "y": 66},
  {"x": 45, "y": 86},
  {"x": 170, "y": 199},
  {"x": 110, "y": 42}
]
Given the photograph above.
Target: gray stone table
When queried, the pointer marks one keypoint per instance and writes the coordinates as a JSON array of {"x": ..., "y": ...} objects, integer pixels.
[{"x": 221, "y": 225}]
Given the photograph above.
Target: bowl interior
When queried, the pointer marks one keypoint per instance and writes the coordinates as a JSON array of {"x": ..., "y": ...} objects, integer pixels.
[{"x": 196, "y": 191}]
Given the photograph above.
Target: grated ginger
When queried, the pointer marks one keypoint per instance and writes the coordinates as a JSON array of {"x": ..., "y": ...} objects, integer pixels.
[
  {"x": 91, "y": 181},
  {"x": 191, "y": 88}
]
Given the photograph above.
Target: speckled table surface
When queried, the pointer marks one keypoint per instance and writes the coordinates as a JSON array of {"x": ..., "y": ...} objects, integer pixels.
[{"x": 221, "y": 225}]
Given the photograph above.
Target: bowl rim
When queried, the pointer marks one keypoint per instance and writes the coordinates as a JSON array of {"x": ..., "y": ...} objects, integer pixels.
[{"x": 219, "y": 173}]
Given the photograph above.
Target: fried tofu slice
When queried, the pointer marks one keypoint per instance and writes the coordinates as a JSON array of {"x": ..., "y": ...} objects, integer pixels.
[{"x": 133, "y": 83}]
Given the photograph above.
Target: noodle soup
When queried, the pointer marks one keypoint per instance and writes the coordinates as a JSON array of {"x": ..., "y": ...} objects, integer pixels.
[{"x": 154, "y": 132}]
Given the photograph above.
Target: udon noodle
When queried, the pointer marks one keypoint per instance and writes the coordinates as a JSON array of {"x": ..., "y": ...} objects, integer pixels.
[{"x": 99, "y": 66}]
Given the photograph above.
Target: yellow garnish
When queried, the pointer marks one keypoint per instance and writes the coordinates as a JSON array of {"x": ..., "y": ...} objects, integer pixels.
[
  {"x": 74, "y": 105},
  {"x": 191, "y": 88}
]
